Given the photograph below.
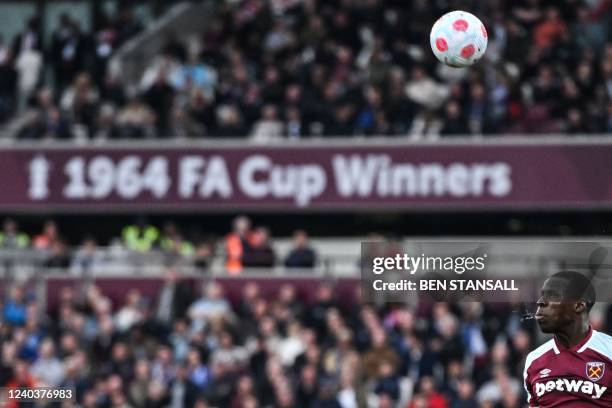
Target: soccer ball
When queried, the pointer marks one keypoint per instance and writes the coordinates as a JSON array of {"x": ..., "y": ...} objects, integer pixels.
[{"x": 458, "y": 39}]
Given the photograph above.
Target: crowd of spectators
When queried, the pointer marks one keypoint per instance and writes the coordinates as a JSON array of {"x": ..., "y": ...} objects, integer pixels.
[
  {"x": 243, "y": 247},
  {"x": 247, "y": 247},
  {"x": 186, "y": 348},
  {"x": 188, "y": 343},
  {"x": 48, "y": 243},
  {"x": 298, "y": 68},
  {"x": 55, "y": 107}
]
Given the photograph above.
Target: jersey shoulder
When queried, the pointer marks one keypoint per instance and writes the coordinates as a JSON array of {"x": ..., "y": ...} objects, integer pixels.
[
  {"x": 600, "y": 343},
  {"x": 549, "y": 346}
]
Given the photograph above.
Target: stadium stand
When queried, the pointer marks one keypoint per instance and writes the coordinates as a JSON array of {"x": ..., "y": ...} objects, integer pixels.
[
  {"x": 296, "y": 345},
  {"x": 293, "y": 340},
  {"x": 159, "y": 317},
  {"x": 335, "y": 68}
]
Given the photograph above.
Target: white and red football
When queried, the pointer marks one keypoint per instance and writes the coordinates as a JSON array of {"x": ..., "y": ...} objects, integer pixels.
[{"x": 458, "y": 39}]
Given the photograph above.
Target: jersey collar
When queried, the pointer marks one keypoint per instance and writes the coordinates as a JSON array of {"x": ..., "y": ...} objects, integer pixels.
[{"x": 578, "y": 348}]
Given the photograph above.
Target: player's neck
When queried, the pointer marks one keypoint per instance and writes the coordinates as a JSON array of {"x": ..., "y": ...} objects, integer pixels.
[{"x": 573, "y": 334}]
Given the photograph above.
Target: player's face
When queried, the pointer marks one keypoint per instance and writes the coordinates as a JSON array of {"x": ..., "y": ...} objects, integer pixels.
[{"x": 554, "y": 312}]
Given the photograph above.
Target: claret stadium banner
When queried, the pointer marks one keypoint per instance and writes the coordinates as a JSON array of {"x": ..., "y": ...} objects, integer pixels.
[{"x": 308, "y": 177}]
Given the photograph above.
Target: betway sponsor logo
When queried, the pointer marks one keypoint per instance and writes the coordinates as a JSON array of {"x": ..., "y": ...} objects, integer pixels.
[{"x": 564, "y": 385}]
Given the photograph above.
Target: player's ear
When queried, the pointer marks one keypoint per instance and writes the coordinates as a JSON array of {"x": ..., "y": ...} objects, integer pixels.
[{"x": 580, "y": 306}]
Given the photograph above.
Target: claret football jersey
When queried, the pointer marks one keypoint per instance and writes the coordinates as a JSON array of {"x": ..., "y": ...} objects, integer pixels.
[{"x": 576, "y": 377}]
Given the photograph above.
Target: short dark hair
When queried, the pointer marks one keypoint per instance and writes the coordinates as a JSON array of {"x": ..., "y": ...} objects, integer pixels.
[{"x": 578, "y": 287}]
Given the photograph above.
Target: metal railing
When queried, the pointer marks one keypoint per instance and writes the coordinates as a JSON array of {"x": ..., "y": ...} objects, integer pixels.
[
  {"x": 9, "y": 142},
  {"x": 336, "y": 257},
  {"x": 21, "y": 265},
  {"x": 181, "y": 20}
]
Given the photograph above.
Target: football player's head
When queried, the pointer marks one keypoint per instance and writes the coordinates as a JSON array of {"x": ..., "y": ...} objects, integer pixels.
[{"x": 565, "y": 297}]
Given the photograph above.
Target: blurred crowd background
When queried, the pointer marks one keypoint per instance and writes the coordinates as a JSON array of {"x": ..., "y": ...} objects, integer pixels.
[
  {"x": 267, "y": 71},
  {"x": 277, "y": 69},
  {"x": 189, "y": 347}
]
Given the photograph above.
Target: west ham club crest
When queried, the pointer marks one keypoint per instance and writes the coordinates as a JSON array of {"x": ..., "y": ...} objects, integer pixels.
[{"x": 595, "y": 370}]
